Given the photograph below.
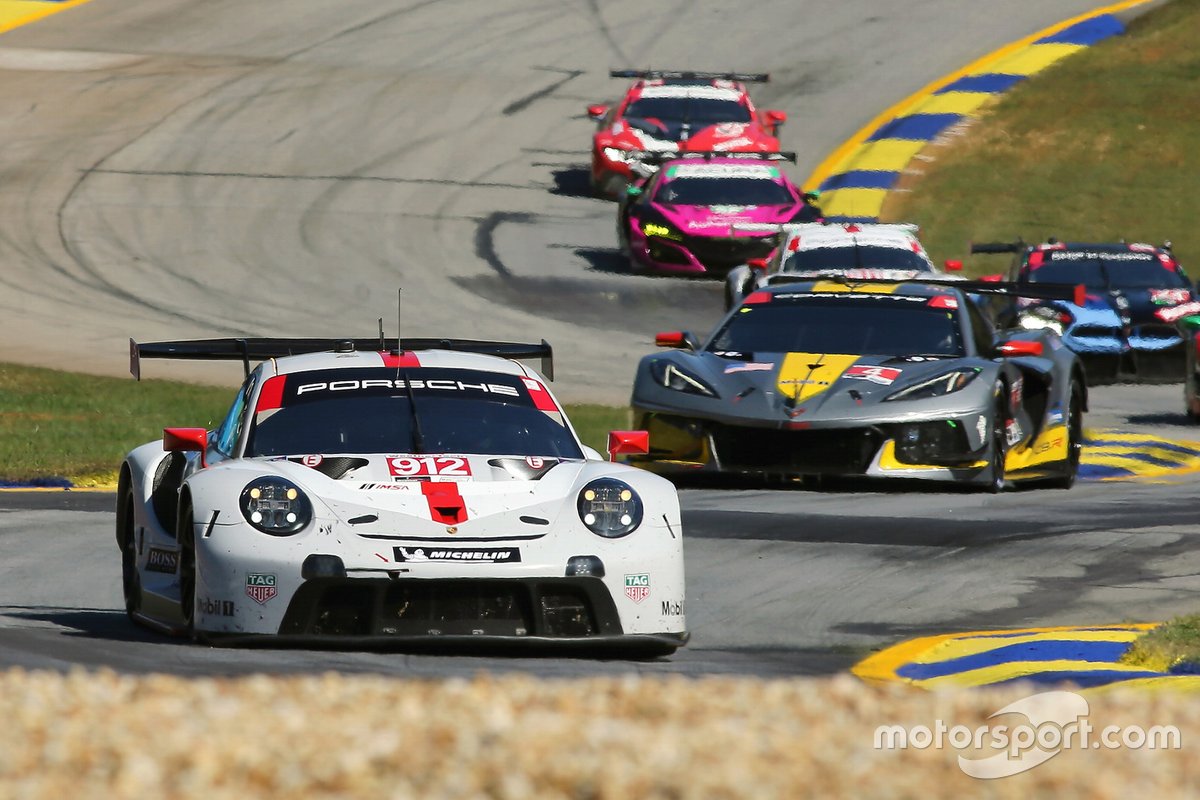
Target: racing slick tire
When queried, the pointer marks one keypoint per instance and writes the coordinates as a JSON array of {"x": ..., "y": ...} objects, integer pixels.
[
  {"x": 1074, "y": 440},
  {"x": 186, "y": 536},
  {"x": 999, "y": 448},
  {"x": 131, "y": 582}
]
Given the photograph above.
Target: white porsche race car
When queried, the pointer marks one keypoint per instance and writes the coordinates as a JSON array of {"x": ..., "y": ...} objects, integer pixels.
[{"x": 362, "y": 495}]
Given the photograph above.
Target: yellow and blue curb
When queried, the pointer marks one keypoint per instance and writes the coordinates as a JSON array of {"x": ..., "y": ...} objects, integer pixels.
[
  {"x": 857, "y": 177},
  {"x": 1088, "y": 657},
  {"x": 16, "y": 13}
]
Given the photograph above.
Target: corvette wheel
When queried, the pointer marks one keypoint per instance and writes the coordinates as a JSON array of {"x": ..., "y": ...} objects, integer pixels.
[
  {"x": 999, "y": 451},
  {"x": 1074, "y": 440},
  {"x": 131, "y": 580},
  {"x": 187, "y": 568}
]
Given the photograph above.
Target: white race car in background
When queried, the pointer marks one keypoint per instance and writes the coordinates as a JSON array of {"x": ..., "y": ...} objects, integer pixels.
[
  {"x": 360, "y": 495},
  {"x": 883, "y": 251}
]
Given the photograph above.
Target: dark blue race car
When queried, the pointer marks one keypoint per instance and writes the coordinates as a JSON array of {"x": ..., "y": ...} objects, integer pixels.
[{"x": 1137, "y": 303}]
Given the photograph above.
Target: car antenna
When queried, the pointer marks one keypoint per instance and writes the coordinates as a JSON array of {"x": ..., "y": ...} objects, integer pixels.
[
  {"x": 382, "y": 340},
  {"x": 399, "y": 348}
]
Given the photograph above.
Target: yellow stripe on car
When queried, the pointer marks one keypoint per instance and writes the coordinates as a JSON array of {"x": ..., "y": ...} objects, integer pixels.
[{"x": 804, "y": 375}]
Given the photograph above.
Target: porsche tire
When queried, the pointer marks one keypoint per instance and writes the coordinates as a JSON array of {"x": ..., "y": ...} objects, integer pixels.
[
  {"x": 131, "y": 579},
  {"x": 186, "y": 533}
]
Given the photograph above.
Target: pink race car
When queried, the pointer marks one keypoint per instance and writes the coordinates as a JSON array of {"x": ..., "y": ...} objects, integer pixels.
[
  {"x": 675, "y": 111},
  {"x": 697, "y": 213}
]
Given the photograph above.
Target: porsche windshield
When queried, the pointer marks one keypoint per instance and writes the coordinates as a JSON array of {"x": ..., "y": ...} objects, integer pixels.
[
  {"x": 818, "y": 322},
  {"x": 1104, "y": 270},
  {"x": 370, "y": 411},
  {"x": 669, "y": 117},
  {"x": 856, "y": 257},
  {"x": 723, "y": 192}
]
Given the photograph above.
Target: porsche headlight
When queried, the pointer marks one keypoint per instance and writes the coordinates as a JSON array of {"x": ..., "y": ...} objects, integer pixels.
[
  {"x": 946, "y": 383},
  {"x": 1039, "y": 317},
  {"x": 616, "y": 154},
  {"x": 661, "y": 231},
  {"x": 275, "y": 505},
  {"x": 672, "y": 377},
  {"x": 609, "y": 508}
]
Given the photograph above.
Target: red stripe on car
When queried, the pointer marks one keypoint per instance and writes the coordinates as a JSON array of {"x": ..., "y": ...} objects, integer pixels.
[
  {"x": 405, "y": 359},
  {"x": 542, "y": 400},
  {"x": 445, "y": 503},
  {"x": 271, "y": 396}
]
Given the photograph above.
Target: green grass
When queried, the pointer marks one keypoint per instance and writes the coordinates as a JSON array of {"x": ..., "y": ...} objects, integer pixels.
[
  {"x": 1169, "y": 644},
  {"x": 63, "y": 424},
  {"x": 1102, "y": 147}
]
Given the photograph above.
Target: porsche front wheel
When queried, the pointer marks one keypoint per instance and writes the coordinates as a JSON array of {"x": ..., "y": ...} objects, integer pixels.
[
  {"x": 131, "y": 581},
  {"x": 187, "y": 568}
]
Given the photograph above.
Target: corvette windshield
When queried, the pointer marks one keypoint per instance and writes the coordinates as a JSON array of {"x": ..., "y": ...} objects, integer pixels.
[
  {"x": 854, "y": 325},
  {"x": 1107, "y": 270},
  {"x": 669, "y": 117},
  {"x": 370, "y": 411},
  {"x": 854, "y": 257},
  {"x": 723, "y": 192}
]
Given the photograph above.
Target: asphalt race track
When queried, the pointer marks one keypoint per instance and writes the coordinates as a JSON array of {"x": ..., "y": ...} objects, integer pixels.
[{"x": 176, "y": 170}]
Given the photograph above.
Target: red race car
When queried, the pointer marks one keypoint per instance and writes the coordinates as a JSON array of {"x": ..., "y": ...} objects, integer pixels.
[{"x": 672, "y": 111}]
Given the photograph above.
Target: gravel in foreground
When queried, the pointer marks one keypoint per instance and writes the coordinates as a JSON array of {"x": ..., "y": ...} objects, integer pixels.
[{"x": 106, "y": 735}]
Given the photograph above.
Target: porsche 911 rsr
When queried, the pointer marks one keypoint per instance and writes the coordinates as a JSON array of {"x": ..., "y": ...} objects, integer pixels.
[
  {"x": 668, "y": 111},
  {"x": 885, "y": 249},
  {"x": 436, "y": 493},
  {"x": 873, "y": 380},
  {"x": 1137, "y": 318}
]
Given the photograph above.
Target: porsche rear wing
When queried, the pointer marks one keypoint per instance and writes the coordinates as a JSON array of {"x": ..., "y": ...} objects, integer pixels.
[
  {"x": 997, "y": 247},
  {"x": 1041, "y": 291},
  {"x": 687, "y": 75},
  {"x": 249, "y": 350}
]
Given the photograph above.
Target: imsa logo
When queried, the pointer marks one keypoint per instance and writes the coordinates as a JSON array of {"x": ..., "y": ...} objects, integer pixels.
[
  {"x": 637, "y": 587},
  {"x": 260, "y": 586}
]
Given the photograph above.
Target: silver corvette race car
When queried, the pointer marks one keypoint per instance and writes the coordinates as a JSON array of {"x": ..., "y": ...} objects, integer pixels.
[
  {"x": 875, "y": 379},
  {"x": 358, "y": 494}
]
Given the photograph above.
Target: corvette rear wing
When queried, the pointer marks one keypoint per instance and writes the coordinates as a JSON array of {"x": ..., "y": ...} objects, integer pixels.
[
  {"x": 1041, "y": 291},
  {"x": 659, "y": 156},
  {"x": 249, "y": 350},
  {"x": 687, "y": 75}
]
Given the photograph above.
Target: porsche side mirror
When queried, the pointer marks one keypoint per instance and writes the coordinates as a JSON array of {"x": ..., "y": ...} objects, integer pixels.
[
  {"x": 757, "y": 264},
  {"x": 1019, "y": 347},
  {"x": 992, "y": 278},
  {"x": 186, "y": 440},
  {"x": 776, "y": 118},
  {"x": 953, "y": 265},
  {"x": 680, "y": 340},
  {"x": 597, "y": 111},
  {"x": 626, "y": 442},
  {"x": 633, "y": 191}
]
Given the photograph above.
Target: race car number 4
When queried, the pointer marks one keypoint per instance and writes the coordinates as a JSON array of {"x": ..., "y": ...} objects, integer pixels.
[{"x": 429, "y": 466}]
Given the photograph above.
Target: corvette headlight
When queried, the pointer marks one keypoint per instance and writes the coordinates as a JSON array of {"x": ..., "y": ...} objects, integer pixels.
[
  {"x": 672, "y": 377},
  {"x": 661, "y": 231},
  {"x": 946, "y": 383},
  {"x": 616, "y": 154},
  {"x": 275, "y": 505},
  {"x": 610, "y": 508}
]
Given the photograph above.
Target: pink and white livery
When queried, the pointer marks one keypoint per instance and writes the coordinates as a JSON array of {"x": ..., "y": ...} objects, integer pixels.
[{"x": 364, "y": 492}]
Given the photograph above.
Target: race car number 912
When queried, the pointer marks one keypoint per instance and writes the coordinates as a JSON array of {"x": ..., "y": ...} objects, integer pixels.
[{"x": 429, "y": 466}]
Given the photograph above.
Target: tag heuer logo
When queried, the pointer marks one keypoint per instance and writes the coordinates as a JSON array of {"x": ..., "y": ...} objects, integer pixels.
[
  {"x": 260, "y": 586},
  {"x": 637, "y": 587}
]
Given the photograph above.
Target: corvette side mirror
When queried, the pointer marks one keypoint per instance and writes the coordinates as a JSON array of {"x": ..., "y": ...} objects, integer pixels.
[
  {"x": 597, "y": 111},
  {"x": 679, "y": 340},
  {"x": 626, "y": 442},
  {"x": 633, "y": 191},
  {"x": 992, "y": 278},
  {"x": 1019, "y": 347},
  {"x": 186, "y": 440},
  {"x": 953, "y": 265}
]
